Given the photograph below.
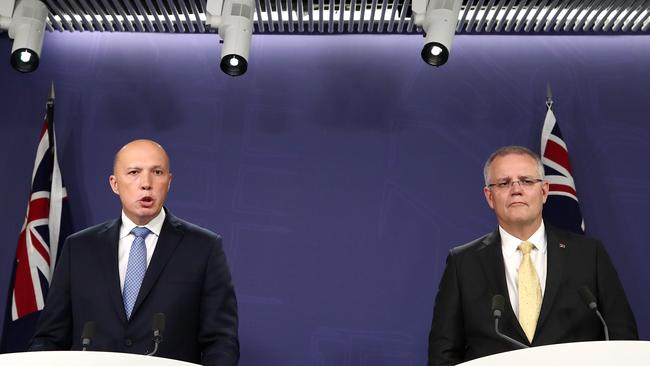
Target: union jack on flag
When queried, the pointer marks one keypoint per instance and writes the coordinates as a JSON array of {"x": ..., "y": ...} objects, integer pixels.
[
  {"x": 562, "y": 208},
  {"x": 46, "y": 225}
]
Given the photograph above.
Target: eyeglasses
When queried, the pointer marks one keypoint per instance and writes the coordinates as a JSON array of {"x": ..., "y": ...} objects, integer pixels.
[{"x": 524, "y": 182}]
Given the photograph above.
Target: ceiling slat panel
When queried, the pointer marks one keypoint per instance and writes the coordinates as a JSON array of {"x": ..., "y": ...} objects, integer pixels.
[
  {"x": 113, "y": 15},
  {"x": 493, "y": 19},
  {"x": 278, "y": 11},
  {"x": 382, "y": 16},
  {"x": 341, "y": 16},
  {"x": 61, "y": 22},
  {"x": 548, "y": 17},
  {"x": 88, "y": 12},
  {"x": 557, "y": 23},
  {"x": 106, "y": 23},
  {"x": 635, "y": 13},
  {"x": 330, "y": 16},
  {"x": 310, "y": 12},
  {"x": 75, "y": 23},
  {"x": 301, "y": 25},
  {"x": 133, "y": 14},
  {"x": 165, "y": 14},
  {"x": 143, "y": 14},
  {"x": 195, "y": 14},
  {"x": 402, "y": 16},
  {"x": 353, "y": 8},
  {"x": 186, "y": 14},
  {"x": 393, "y": 14},
  {"x": 362, "y": 14},
  {"x": 371, "y": 20},
  {"x": 354, "y": 16},
  {"x": 484, "y": 17},
  {"x": 290, "y": 15}
]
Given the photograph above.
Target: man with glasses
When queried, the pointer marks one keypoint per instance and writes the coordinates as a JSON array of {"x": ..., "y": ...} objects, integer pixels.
[{"x": 539, "y": 270}]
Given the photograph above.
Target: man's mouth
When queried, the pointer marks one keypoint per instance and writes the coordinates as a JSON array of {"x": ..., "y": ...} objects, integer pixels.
[{"x": 146, "y": 201}]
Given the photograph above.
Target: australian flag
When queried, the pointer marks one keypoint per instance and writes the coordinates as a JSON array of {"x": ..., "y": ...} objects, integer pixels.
[
  {"x": 47, "y": 224},
  {"x": 562, "y": 208}
]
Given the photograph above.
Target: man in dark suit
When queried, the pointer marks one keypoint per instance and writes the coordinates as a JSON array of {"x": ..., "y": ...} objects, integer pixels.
[
  {"x": 120, "y": 273},
  {"x": 538, "y": 269}
]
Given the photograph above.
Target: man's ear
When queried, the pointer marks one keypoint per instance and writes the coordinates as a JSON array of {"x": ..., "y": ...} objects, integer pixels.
[
  {"x": 545, "y": 188},
  {"x": 488, "y": 197},
  {"x": 113, "y": 183}
]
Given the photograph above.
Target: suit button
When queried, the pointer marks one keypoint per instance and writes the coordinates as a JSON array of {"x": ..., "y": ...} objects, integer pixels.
[{"x": 128, "y": 342}]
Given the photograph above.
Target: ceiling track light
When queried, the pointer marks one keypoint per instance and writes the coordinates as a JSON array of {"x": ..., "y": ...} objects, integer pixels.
[
  {"x": 234, "y": 21},
  {"x": 438, "y": 19},
  {"x": 25, "y": 24}
]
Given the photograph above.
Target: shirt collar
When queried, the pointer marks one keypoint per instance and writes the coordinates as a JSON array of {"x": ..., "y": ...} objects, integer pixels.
[
  {"x": 155, "y": 225},
  {"x": 509, "y": 243}
]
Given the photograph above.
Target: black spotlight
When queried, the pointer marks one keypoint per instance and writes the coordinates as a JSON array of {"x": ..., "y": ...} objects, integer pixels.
[
  {"x": 24, "y": 60},
  {"x": 234, "y": 65},
  {"x": 435, "y": 54}
]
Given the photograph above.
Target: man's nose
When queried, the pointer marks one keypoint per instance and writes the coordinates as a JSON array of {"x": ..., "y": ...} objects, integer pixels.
[
  {"x": 515, "y": 187},
  {"x": 145, "y": 182}
]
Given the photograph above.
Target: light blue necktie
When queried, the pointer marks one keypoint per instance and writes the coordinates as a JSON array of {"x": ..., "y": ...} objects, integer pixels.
[{"x": 135, "y": 269}]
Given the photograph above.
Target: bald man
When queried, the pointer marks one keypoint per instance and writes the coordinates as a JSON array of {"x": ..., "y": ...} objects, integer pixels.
[{"x": 120, "y": 273}]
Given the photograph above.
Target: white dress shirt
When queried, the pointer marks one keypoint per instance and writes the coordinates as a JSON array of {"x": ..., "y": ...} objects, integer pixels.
[
  {"x": 512, "y": 259},
  {"x": 126, "y": 240}
]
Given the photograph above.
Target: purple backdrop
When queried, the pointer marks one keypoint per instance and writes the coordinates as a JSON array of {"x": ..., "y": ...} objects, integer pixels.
[{"x": 339, "y": 169}]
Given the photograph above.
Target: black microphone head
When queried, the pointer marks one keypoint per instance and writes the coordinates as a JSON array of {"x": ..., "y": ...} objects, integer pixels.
[
  {"x": 588, "y": 297},
  {"x": 87, "y": 334},
  {"x": 158, "y": 324},
  {"x": 498, "y": 305}
]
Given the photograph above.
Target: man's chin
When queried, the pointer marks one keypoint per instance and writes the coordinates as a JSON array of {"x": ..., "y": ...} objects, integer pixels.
[{"x": 144, "y": 215}]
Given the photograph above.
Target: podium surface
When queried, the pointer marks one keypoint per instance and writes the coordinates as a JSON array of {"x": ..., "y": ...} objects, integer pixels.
[
  {"x": 601, "y": 353},
  {"x": 79, "y": 358}
]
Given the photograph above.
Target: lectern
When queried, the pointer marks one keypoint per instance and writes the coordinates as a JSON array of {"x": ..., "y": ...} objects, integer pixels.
[
  {"x": 87, "y": 358},
  {"x": 601, "y": 353}
]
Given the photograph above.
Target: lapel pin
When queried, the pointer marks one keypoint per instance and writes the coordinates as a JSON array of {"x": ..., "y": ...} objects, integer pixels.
[{"x": 562, "y": 245}]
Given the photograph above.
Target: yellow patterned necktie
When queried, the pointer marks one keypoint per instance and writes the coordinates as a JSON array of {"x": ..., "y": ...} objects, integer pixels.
[{"x": 530, "y": 292}]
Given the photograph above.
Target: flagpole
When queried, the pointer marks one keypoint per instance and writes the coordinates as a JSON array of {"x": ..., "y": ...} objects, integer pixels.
[
  {"x": 549, "y": 96},
  {"x": 50, "y": 117}
]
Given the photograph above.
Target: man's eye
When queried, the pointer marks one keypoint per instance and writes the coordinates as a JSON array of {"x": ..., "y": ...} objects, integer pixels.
[
  {"x": 132, "y": 172},
  {"x": 503, "y": 184},
  {"x": 158, "y": 172},
  {"x": 527, "y": 181}
]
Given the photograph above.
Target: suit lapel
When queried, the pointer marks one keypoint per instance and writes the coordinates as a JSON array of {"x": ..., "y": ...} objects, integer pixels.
[
  {"x": 109, "y": 242},
  {"x": 555, "y": 264},
  {"x": 492, "y": 262},
  {"x": 494, "y": 271},
  {"x": 170, "y": 236}
]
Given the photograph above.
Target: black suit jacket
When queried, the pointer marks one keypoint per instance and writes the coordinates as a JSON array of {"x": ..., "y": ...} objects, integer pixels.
[
  {"x": 463, "y": 327},
  {"x": 187, "y": 279}
]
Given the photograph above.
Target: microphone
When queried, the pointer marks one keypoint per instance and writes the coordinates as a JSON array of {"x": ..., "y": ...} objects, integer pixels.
[
  {"x": 87, "y": 334},
  {"x": 498, "y": 305},
  {"x": 158, "y": 328},
  {"x": 590, "y": 300}
]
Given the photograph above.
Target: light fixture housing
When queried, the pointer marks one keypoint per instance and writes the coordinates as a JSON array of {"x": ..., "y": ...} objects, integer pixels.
[
  {"x": 234, "y": 20},
  {"x": 438, "y": 19},
  {"x": 25, "y": 24}
]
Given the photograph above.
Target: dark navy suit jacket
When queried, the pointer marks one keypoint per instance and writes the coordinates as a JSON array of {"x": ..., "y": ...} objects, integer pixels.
[
  {"x": 463, "y": 327},
  {"x": 187, "y": 279}
]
